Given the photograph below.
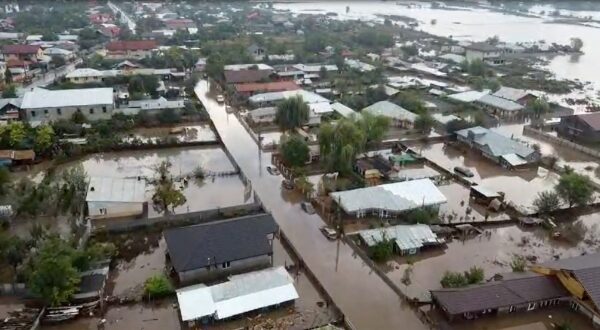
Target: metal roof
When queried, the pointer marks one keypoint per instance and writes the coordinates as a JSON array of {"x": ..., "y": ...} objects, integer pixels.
[
  {"x": 237, "y": 67},
  {"x": 308, "y": 97},
  {"x": 406, "y": 236},
  {"x": 42, "y": 98},
  {"x": 497, "y": 144},
  {"x": 343, "y": 110},
  {"x": 509, "y": 93},
  {"x": 241, "y": 294},
  {"x": 391, "y": 110},
  {"x": 393, "y": 197},
  {"x": 315, "y": 67},
  {"x": 468, "y": 96},
  {"x": 500, "y": 103},
  {"x": 444, "y": 119},
  {"x": 116, "y": 190},
  {"x": 514, "y": 159}
]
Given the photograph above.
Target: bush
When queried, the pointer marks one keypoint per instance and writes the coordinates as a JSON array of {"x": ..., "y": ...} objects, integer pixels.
[
  {"x": 518, "y": 264},
  {"x": 383, "y": 250},
  {"x": 158, "y": 286},
  {"x": 453, "y": 280},
  {"x": 474, "y": 275}
]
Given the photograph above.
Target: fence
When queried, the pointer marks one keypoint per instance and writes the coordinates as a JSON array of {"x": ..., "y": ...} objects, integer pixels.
[{"x": 561, "y": 141}]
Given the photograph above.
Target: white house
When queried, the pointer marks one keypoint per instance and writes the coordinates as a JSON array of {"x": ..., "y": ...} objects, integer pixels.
[
  {"x": 49, "y": 105},
  {"x": 484, "y": 52},
  {"x": 115, "y": 197}
]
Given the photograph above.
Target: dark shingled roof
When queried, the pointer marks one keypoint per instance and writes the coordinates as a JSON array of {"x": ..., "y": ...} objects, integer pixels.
[
  {"x": 198, "y": 246},
  {"x": 497, "y": 294}
]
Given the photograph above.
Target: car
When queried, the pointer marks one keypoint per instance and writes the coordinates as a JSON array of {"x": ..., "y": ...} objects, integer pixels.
[
  {"x": 307, "y": 207},
  {"x": 273, "y": 170},
  {"x": 464, "y": 171},
  {"x": 220, "y": 98},
  {"x": 288, "y": 184},
  {"x": 329, "y": 232}
]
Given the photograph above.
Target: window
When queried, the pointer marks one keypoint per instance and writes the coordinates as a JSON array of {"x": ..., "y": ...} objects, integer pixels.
[
  {"x": 531, "y": 306},
  {"x": 226, "y": 264},
  {"x": 32, "y": 113},
  {"x": 45, "y": 111},
  {"x": 91, "y": 111},
  {"x": 59, "y": 111},
  {"x": 104, "y": 109}
]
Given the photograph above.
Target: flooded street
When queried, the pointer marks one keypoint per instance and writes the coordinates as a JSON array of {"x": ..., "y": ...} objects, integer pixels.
[{"x": 366, "y": 301}]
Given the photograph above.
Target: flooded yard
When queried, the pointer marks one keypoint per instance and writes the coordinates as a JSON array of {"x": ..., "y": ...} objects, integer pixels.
[
  {"x": 183, "y": 134},
  {"x": 461, "y": 208}
]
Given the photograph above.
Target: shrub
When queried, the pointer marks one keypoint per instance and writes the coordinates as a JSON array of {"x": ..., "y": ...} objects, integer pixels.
[
  {"x": 453, "y": 280},
  {"x": 518, "y": 264},
  {"x": 383, "y": 250},
  {"x": 158, "y": 286}
]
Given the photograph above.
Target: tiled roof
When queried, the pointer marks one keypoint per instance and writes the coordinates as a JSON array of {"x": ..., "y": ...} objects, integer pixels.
[
  {"x": 592, "y": 119},
  {"x": 278, "y": 86},
  {"x": 20, "y": 49},
  {"x": 131, "y": 45}
]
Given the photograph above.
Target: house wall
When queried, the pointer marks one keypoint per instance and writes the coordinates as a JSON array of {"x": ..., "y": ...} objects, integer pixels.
[
  {"x": 86, "y": 80},
  {"x": 95, "y": 112},
  {"x": 574, "y": 128},
  {"x": 130, "y": 54},
  {"x": 100, "y": 210},
  {"x": 217, "y": 271}
]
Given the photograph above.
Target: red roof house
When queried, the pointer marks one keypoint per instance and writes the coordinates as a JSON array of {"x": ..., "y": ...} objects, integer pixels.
[
  {"x": 250, "y": 89},
  {"x": 130, "y": 49}
]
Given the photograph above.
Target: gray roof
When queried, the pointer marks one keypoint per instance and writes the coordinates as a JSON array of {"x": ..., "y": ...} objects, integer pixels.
[
  {"x": 391, "y": 110},
  {"x": 405, "y": 236},
  {"x": 482, "y": 47},
  {"x": 308, "y": 97},
  {"x": 499, "y": 103},
  {"x": 497, "y": 144},
  {"x": 343, "y": 110},
  {"x": 509, "y": 93},
  {"x": 497, "y": 294},
  {"x": 14, "y": 101},
  {"x": 42, "y": 98},
  {"x": 201, "y": 245}
]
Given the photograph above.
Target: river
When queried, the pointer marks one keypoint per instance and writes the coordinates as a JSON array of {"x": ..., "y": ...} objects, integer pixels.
[
  {"x": 366, "y": 301},
  {"x": 478, "y": 24}
]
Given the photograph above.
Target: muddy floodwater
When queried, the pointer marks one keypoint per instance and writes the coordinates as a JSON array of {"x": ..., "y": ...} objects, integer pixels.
[{"x": 183, "y": 133}]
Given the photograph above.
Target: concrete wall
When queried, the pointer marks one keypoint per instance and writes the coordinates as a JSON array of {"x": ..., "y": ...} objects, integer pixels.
[
  {"x": 86, "y": 80},
  {"x": 218, "y": 271},
  {"x": 560, "y": 141},
  {"x": 94, "y": 112},
  {"x": 113, "y": 210}
]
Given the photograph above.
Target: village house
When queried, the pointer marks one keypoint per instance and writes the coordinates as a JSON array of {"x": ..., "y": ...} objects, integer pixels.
[
  {"x": 389, "y": 200},
  {"x": 222, "y": 248},
  {"x": 200, "y": 65},
  {"x": 317, "y": 104},
  {"x": 115, "y": 197},
  {"x": 88, "y": 75},
  {"x": 399, "y": 116},
  {"x": 257, "y": 53},
  {"x": 109, "y": 30},
  {"x": 151, "y": 106},
  {"x": 247, "y": 73},
  {"x": 249, "y": 89},
  {"x": 519, "y": 96},
  {"x": 10, "y": 109},
  {"x": 498, "y": 148},
  {"x": 16, "y": 157},
  {"x": 240, "y": 294},
  {"x": 21, "y": 53},
  {"x": 485, "y": 52},
  {"x": 92, "y": 285},
  {"x": 408, "y": 239},
  {"x": 41, "y": 105},
  {"x": 500, "y": 107},
  {"x": 582, "y": 127},
  {"x": 130, "y": 49}
]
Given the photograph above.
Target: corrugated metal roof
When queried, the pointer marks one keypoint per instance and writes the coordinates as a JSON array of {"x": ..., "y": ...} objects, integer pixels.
[
  {"x": 343, "y": 110},
  {"x": 514, "y": 159},
  {"x": 393, "y": 197},
  {"x": 308, "y": 97},
  {"x": 101, "y": 189},
  {"x": 406, "y": 236},
  {"x": 42, "y": 98},
  {"x": 241, "y": 294},
  {"x": 391, "y": 110},
  {"x": 500, "y": 103},
  {"x": 469, "y": 96},
  {"x": 509, "y": 93},
  {"x": 497, "y": 144}
]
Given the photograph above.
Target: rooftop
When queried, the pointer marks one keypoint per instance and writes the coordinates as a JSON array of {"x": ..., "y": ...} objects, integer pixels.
[
  {"x": 308, "y": 97},
  {"x": 500, "y": 103},
  {"x": 123, "y": 45},
  {"x": 315, "y": 68},
  {"x": 482, "y": 47},
  {"x": 468, "y": 96},
  {"x": 391, "y": 110},
  {"x": 343, "y": 110},
  {"x": 405, "y": 236},
  {"x": 498, "y": 144},
  {"x": 20, "y": 49},
  {"x": 277, "y": 86},
  {"x": 116, "y": 190},
  {"x": 201, "y": 245},
  {"x": 592, "y": 119},
  {"x": 509, "y": 93},
  {"x": 43, "y": 98},
  {"x": 256, "y": 66},
  {"x": 393, "y": 197}
]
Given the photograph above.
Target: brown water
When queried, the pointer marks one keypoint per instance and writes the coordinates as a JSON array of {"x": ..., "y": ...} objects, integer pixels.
[
  {"x": 461, "y": 208},
  {"x": 189, "y": 133}
]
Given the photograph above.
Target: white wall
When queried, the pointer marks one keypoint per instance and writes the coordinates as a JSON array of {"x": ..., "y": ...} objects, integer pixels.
[
  {"x": 94, "y": 112},
  {"x": 99, "y": 210}
]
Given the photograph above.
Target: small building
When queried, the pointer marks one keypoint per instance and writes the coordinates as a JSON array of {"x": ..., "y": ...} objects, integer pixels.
[
  {"x": 519, "y": 96},
  {"x": 249, "y": 89},
  {"x": 257, "y": 53},
  {"x": 408, "y": 239},
  {"x": 151, "y": 106},
  {"x": 484, "y": 52},
  {"x": 389, "y": 200},
  {"x": 317, "y": 104},
  {"x": 16, "y": 157},
  {"x": 344, "y": 110},
  {"x": 241, "y": 294},
  {"x": 88, "y": 75},
  {"x": 400, "y": 117},
  {"x": 247, "y": 73},
  {"x": 67, "y": 55},
  {"x": 49, "y": 105},
  {"x": 115, "y": 197},
  {"x": 216, "y": 250},
  {"x": 498, "y": 148},
  {"x": 500, "y": 107},
  {"x": 582, "y": 127},
  {"x": 200, "y": 65},
  {"x": 92, "y": 285},
  {"x": 30, "y": 53},
  {"x": 10, "y": 109},
  {"x": 483, "y": 195},
  {"x": 264, "y": 115},
  {"x": 130, "y": 49}
]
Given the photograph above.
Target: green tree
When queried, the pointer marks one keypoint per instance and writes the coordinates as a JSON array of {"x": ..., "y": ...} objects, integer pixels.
[
  {"x": 291, "y": 113},
  {"x": 424, "y": 123},
  {"x": 456, "y": 125},
  {"x": 158, "y": 286},
  {"x": 49, "y": 36},
  {"x": 474, "y": 275},
  {"x": 10, "y": 91},
  {"x": 215, "y": 67},
  {"x": 577, "y": 44},
  {"x": 8, "y": 77},
  {"x": 410, "y": 101},
  {"x": 383, "y": 250},
  {"x": 44, "y": 138},
  {"x": 546, "y": 202},
  {"x": 78, "y": 118},
  {"x": 165, "y": 193},
  {"x": 518, "y": 264},
  {"x": 538, "y": 107},
  {"x": 375, "y": 127},
  {"x": 54, "y": 278},
  {"x": 575, "y": 189},
  {"x": 453, "y": 280},
  {"x": 5, "y": 180},
  {"x": 294, "y": 150},
  {"x": 58, "y": 61},
  {"x": 340, "y": 143},
  {"x": 18, "y": 133},
  {"x": 477, "y": 68}
]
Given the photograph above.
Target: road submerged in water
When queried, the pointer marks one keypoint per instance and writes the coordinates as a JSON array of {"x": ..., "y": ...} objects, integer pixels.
[{"x": 363, "y": 297}]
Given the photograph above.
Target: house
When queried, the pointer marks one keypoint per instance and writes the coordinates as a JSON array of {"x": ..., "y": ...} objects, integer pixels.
[
  {"x": 109, "y": 30},
  {"x": 358, "y": 65},
  {"x": 389, "y": 200},
  {"x": 315, "y": 68},
  {"x": 498, "y": 148},
  {"x": 67, "y": 55},
  {"x": 264, "y": 115},
  {"x": 49, "y": 105},
  {"x": 400, "y": 117},
  {"x": 181, "y": 24},
  {"x": 240, "y": 294},
  {"x": 485, "y": 52},
  {"x": 92, "y": 285},
  {"x": 31, "y": 53},
  {"x": 258, "y": 53},
  {"x": 344, "y": 110},
  {"x": 373, "y": 169},
  {"x": 500, "y": 107},
  {"x": 520, "y": 96},
  {"x": 216, "y": 250},
  {"x": 16, "y": 157},
  {"x": 317, "y": 104},
  {"x": 247, "y": 73},
  {"x": 408, "y": 239},
  {"x": 200, "y": 65},
  {"x": 582, "y": 127},
  {"x": 100, "y": 18},
  {"x": 130, "y": 49},
  {"x": 520, "y": 292},
  {"x": 10, "y": 109},
  {"x": 115, "y": 197},
  {"x": 249, "y": 89},
  {"x": 152, "y": 106},
  {"x": 88, "y": 75}
]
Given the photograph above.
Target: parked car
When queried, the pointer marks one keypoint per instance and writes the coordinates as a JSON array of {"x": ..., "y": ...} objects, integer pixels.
[
  {"x": 288, "y": 184},
  {"x": 220, "y": 98},
  {"x": 307, "y": 207},
  {"x": 464, "y": 171},
  {"x": 329, "y": 232},
  {"x": 273, "y": 170}
]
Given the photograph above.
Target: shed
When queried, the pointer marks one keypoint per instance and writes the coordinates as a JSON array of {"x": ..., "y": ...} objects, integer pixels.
[{"x": 115, "y": 197}]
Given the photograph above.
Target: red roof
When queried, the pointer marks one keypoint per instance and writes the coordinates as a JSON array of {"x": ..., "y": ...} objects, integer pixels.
[
  {"x": 132, "y": 45},
  {"x": 20, "y": 49},
  {"x": 278, "y": 86}
]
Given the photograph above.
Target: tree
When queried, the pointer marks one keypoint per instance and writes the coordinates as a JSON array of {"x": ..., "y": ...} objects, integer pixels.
[
  {"x": 12, "y": 250},
  {"x": 410, "y": 50},
  {"x": 456, "y": 125},
  {"x": 546, "y": 202},
  {"x": 78, "y": 118},
  {"x": 294, "y": 150},
  {"x": 410, "y": 101},
  {"x": 10, "y": 91},
  {"x": 576, "y": 44},
  {"x": 49, "y": 36},
  {"x": 58, "y": 61},
  {"x": 53, "y": 277},
  {"x": 8, "y": 78},
  {"x": 424, "y": 123},
  {"x": 518, "y": 264},
  {"x": 474, "y": 275},
  {"x": 340, "y": 143},
  {"x": 215, "y": 66},
  {"x": 575, "y": 189},
  {"x": 17, "y": 134},
  {"x": 292, "y": 113},
  {"x": 538, "y": 107},
  {"x": 375, "y": 127},
  {"x": 383, "y": 250},
  {"x": 44, "y": 138},
  {"x": 158, "y": 286},
  {"x": 166, "y": 194},
  {"x": 453, "y": 280},
  {"x": 4, "y": 180}
]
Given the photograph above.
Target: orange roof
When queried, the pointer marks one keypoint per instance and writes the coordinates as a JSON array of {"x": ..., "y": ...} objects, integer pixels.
[{"x": 277, "y": 86}]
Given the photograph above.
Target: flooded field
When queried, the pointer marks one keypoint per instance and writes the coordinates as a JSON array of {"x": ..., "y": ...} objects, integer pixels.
[
  {"x": 460, "y": 208},
  {"x": 184, "y": 134}
]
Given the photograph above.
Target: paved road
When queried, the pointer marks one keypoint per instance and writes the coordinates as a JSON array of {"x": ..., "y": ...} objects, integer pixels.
[
  {"x": 124, "y": 17},
  {"x": 48, "y": 77},
  {"x": 366, "y": 301}
]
